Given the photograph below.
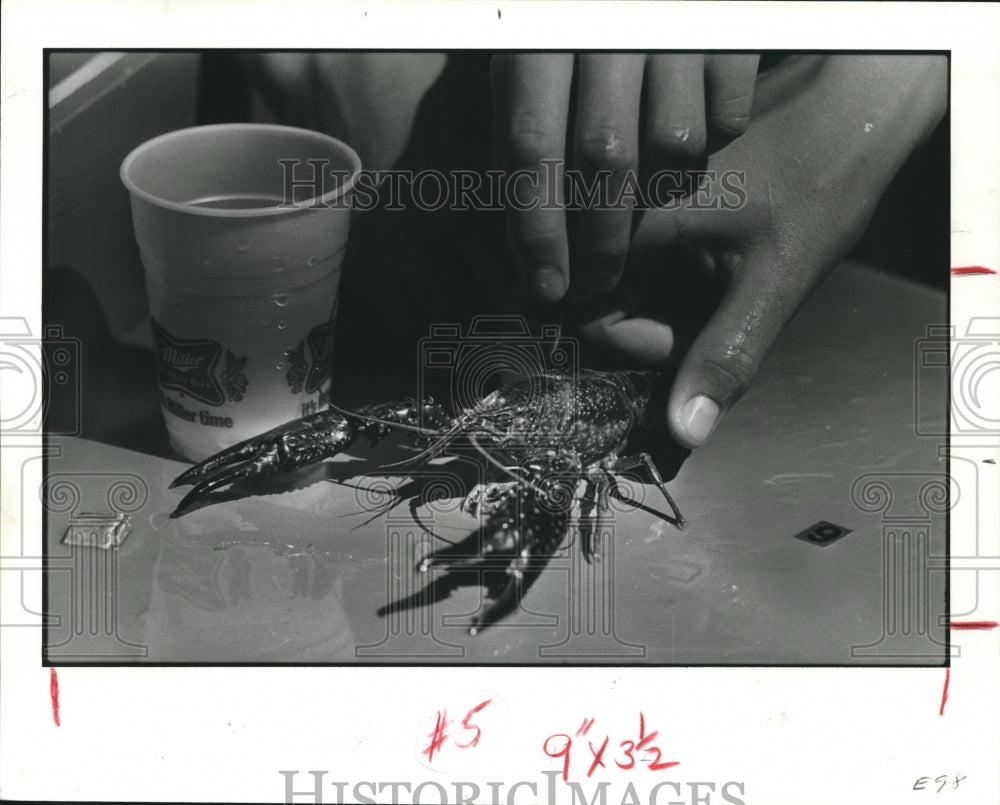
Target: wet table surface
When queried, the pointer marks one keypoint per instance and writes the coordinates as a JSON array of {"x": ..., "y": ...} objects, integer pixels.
[{"x": 839, "y": 427}]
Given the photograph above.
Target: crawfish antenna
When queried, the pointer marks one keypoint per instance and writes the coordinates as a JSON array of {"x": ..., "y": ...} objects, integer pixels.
[{"x": 431, "y": 451}]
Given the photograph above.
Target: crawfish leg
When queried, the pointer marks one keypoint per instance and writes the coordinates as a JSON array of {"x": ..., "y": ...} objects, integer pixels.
[
  {"x": 484, "y": 498},
  {"x": 297, "y": 444},
  {"x": 626, "y": 463},
  {"x": 593, "y": 507}
]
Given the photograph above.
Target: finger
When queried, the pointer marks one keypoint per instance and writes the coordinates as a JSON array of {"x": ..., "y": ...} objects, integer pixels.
[
  {"x": 531, "y": 93},
  {"x": 609, "y": 323},
  {"x": 606, "y": 151},
  {"x": 730, "y": 79},
  {"x": 726, "y": 355},
  {"x": 675, "y": 91},
  {"x": 635, "y": 340}
]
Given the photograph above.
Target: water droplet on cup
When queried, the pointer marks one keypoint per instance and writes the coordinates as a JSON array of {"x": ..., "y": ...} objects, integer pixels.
[
  {"x": 243, "y": 246},
  {"x": 313, "y": 261},
  {"x": 279, "y": 366},
  {"x": 280, "y": 299},
  {"x": 281, "y": 325}
]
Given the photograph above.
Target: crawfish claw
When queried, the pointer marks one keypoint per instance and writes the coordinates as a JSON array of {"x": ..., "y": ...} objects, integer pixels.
[
  {"x": 288, "y": 447},
  {"x": 226, "y": 477},
  {"x": 520, "y": 534},
  {"x": 305, "y": 441}
]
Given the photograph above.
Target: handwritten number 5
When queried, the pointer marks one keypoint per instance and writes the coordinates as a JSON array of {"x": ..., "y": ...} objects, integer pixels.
[{"x": 468, "y": 726}]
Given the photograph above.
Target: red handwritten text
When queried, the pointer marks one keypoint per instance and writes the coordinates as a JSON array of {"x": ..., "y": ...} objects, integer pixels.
[
  {"x": 468, "y": 733},
  {"x": 560, "y": 746}
]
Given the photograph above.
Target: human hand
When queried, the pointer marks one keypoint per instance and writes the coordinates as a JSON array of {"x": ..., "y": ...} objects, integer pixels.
[
  {"x": 693, "y": 104},
  {"x": 828, "y": 135}
]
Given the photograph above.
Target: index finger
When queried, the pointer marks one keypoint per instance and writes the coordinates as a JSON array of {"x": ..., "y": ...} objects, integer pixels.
[
  {"x": 607, "y": 152},
  {"x": 531, "y": 104}
]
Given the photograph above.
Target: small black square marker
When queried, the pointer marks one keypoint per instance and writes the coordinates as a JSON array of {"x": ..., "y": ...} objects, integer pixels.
[{"x": 823, "y": 533}]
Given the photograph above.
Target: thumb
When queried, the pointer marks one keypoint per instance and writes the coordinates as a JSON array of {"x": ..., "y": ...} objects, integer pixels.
[{"x": 725, "y": 356}]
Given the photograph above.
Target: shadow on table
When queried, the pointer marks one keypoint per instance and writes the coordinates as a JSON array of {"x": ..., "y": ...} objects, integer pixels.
[{"x": 114, "y": 399}]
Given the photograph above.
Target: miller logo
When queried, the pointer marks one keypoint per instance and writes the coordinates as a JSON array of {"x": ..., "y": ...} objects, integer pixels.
[
  {"x": 320, "y": 369},
  {"x": 188, "y": 365}
]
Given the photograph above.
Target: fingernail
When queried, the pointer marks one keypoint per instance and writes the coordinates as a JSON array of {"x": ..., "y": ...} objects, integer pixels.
[
  {"x": 698, "y": 418},
  {"x": 547, "y": 283}
]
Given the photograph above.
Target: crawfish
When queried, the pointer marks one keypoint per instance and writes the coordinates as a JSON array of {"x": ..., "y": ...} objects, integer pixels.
[{"x": 545, "y": 433}]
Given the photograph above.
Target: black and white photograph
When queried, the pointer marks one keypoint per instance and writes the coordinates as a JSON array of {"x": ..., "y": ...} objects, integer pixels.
[
  {"x": 645, "y": 322},
  {"x": 509, "y": 398}
]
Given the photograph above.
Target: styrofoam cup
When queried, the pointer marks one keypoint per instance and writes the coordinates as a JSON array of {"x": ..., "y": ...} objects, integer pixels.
[{"x": 242, "y": 230}]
